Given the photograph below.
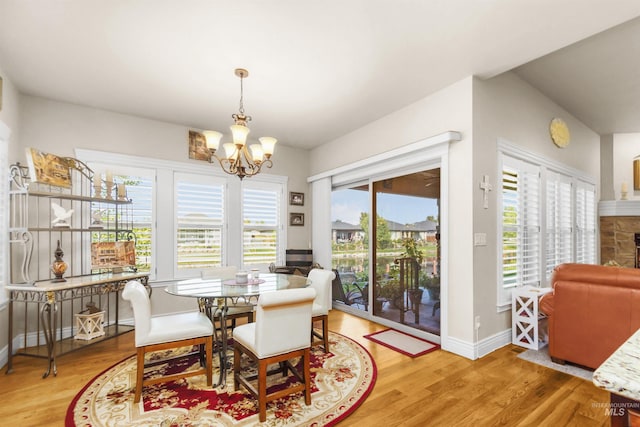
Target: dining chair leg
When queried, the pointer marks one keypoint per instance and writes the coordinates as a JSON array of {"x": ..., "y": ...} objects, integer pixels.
[
  {"x": 325, "y": 333},
  {"x": 306, "y": 362},
  {"x": 139, "y": 374},
  {"x": 209, "y": 357},
  {"x": 262, "y": 389},
  {"x": 236, "y": 368}
]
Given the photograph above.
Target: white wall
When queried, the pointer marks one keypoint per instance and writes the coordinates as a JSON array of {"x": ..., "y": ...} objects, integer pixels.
[
  {"x": 60, "y": 128},
  {"x": 626, "y": 147},
  {"x": 502, "y": 107},
  {"x": 508, "y": 107},
  {"x": 606, "y": 168},
  {"x": 445, "y": 110},
  {"x": 9, "y": 115}
]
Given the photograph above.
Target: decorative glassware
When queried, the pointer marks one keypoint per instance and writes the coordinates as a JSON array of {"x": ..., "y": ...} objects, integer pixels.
[{"x": 59, "y": 266}]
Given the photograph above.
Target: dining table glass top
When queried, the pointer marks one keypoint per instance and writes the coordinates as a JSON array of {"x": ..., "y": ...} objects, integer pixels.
[{"x": 228, "y": 288}]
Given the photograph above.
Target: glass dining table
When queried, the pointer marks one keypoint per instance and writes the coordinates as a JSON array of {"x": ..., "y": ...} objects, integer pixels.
[{"x": 216, "y": 295}]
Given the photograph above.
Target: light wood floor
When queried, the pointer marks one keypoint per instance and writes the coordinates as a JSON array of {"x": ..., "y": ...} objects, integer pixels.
[{"x": 437, "y": 389}]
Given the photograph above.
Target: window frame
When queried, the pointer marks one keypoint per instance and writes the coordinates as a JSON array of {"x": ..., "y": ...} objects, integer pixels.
[
  {"x": 197, "y": 179},
  {"x": 281, "y": 216},
  {"x": 164, "y": 224}
]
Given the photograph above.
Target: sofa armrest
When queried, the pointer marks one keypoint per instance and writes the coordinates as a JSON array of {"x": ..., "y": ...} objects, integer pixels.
[{"x": 546, "y": 304}]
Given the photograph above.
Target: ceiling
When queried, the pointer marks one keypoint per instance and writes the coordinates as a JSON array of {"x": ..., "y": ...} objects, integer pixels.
[{"x": 318, "y": 70}]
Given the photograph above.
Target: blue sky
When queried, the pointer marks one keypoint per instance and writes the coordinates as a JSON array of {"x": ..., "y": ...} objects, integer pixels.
[{"x": 346, "y": 205}]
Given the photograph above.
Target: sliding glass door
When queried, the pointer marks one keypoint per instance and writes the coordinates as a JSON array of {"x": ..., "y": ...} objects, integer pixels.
[
  {"x": 350, "y": 245},
  {"x": 395, "y": 222},
  {"x": 406, "y": 252}
]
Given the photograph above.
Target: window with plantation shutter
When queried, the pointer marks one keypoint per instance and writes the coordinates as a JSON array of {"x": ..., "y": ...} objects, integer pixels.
[
  {"x": 199, "y": 213},
  {"x": 520, "y": 198},
  {"x": 189, "y": 217},
  {"x": 548, "y": 218},
  {"x": 585, "y": 223},
  {"x": 261, "y": 221},
  {"x": 559, "y": 221},
  {"x": 140, "y": 189}
]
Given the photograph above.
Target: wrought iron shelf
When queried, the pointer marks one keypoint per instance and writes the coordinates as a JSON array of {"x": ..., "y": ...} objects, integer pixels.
[{"x": 79, "y": 197}]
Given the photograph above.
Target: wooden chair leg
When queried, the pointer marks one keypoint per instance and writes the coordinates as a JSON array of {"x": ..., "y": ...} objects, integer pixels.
[
  {"x": 262, "y": 389},
  {"x": 306, "y": 362},
  {"x": 208, "y": 345},
  {"x": 325, "y": 333},
  {"x": 236, "y": 368},
  {"x": 139, "y": 374}
]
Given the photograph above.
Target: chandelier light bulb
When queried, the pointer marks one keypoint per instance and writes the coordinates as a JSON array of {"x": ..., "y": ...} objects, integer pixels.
[
  {"x": 239, "y": 133},
  {"x": 268, "y": 145},
  {"x": 257, "y": 153},
  {"x": 213, "y": 139},
  {"x": 230, "y": 150}
]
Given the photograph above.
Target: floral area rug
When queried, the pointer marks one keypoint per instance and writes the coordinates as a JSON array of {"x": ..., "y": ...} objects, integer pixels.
[{"x": 341, "y": 380}]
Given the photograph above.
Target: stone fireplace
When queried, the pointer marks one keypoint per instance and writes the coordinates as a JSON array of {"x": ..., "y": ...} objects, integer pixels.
[{"x": 620, "y": 232}]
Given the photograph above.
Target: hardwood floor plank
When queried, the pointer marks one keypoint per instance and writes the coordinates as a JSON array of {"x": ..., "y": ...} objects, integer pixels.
[{"x": 437, "y": 389}]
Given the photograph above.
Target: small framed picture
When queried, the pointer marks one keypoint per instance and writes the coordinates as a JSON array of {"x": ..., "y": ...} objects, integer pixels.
[
  {"x": 296, "y": 199},
  {"x": 296, "y": 218}
]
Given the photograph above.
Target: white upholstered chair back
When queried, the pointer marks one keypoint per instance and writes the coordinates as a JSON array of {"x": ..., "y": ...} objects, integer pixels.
[
  {"x": 321, "y": 281},
  {"x": 137, "y": 294},
  {"x": 283, "y": 321},
  {"x": 223, "y": 273}
]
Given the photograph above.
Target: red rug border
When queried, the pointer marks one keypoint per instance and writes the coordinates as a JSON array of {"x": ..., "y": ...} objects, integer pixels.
[
  {"x": 384, "y": 344},
  {"x": 68, "y": 422}
]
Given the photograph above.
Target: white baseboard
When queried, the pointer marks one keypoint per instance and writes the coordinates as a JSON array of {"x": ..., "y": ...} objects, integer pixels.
[{"x": 481, "y": 348}]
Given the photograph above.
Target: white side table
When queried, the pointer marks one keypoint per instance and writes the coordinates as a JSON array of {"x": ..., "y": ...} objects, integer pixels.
[{"x": 526, "y": 318}]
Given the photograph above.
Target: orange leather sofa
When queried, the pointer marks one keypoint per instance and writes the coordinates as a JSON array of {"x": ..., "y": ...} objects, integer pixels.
[{"x": 592, "y": 311}]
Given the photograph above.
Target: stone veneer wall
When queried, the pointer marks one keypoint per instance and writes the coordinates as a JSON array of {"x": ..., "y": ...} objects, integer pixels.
[{"x": 617, "y": 239}]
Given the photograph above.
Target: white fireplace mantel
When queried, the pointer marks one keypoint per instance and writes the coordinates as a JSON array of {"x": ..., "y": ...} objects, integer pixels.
[{"x": 619, "y": 207}]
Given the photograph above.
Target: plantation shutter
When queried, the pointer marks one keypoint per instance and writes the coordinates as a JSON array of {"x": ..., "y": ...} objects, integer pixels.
[
  {"x": 140, "y": 191},
  {"x": 520, "y": 226},
  {"x": 199, "y": 213},
  {"x": 138, "y": 216},
  {"x": 261, "y": 223},
  {"x": 585, "y": 223},
  {"x": 559, "y": 218}
]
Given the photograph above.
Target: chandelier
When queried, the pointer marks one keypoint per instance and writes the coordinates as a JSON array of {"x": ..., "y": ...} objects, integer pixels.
[{"x": 238, "y": 159}]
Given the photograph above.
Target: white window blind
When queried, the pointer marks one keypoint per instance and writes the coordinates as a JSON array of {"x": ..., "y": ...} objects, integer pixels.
[
  {"x": 559, "y": 221},
  {"x": 520, "y": 261},
  {"x": 261, "y": 223},
  {"x": 585, "y": 223},
  {"x": 199, "y": 213}
]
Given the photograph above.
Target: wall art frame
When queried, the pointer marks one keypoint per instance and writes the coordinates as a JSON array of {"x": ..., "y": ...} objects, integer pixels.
[
  {"x": 296, "y": 219},
  {"x": 296, "y": 199},
  {"x": 49, "y": 169}
]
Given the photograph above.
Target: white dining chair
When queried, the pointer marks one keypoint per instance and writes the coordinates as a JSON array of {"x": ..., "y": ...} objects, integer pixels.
[
  {"x": 321, "y": 280},
  {"x": 279, "y": 334},
  {"x": 153, "y": 333}
]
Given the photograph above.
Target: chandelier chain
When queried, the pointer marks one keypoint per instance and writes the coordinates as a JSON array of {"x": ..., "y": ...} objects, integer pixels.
[{"x": 241, "y": 95}]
